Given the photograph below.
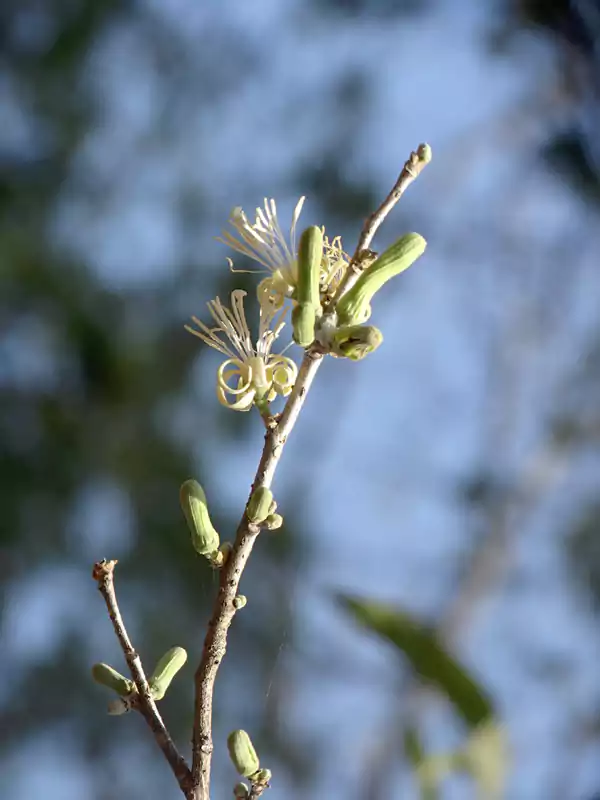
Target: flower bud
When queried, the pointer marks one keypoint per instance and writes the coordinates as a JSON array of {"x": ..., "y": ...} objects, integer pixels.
[
  {"x": 273, "y": 522},
  {"x": 259, "y": 505},
  {"x": 355, "y": 305},
  {"x": 424, "y": 153},
  {"x": 239, "y": 601},
  {"x": 262, "y": 776},
  {"x": 310, "y": 255},
  {"x": 218, "y": 558},
  {"x": 118, "y": 706},
  {"x": 241, "y": 791},
  {"x": 356, "y": 341},
  {"x": 107, "y": 676},
  {"x": 304, "y": 316},
  {"x": 205, "y": 538},
  {"x": 167, "y": 667},
  {"x": 242, "y": 753}
]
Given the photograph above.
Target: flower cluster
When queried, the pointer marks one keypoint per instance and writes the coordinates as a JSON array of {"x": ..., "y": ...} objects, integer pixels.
[
  {"x": 308, "y": 273},
  {"x": 252, "y": 374}
]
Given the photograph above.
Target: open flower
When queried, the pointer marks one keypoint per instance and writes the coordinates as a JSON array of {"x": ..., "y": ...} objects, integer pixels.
[
  {"x": 334, "y": 266},
  {"x": 251, "y": 373},
  {"x": 265, "y": 242}
]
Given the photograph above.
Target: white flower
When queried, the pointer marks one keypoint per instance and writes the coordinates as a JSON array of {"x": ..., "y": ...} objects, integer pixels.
[
  {"x": 334, "y": 265},
  {"x": 265, "y": 242},
  {"x": 257, "y": 374}
]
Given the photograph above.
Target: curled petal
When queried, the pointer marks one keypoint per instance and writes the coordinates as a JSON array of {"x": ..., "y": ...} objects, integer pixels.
[
  {"x": 244, "y": 403},
  {"x": 268, "y": 296},
  {"x": 284, "y": 372},
  {"x": 224, "y": 375},
  {"x": 244, "y": 391}
]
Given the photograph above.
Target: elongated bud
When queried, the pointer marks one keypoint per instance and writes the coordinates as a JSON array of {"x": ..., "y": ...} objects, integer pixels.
[
  {"x": 241, "y": 791},
  {"x": 259, "y": 505},
  {"x": 242, "y": 753},
  {"x": 304, "y": 316},
  {"x": 239, "y": 601},
  {"x": 107, "y": 676},
  {"x": 355, "y": 305},
  {"x": 273, "y": 522},
  {"x": 356, "y": 341},
  {"x": 310, "y": 255},
  {"x": 195, "y": 509},
  {"x": 167, "y": 667},
  {"x": 308, "y": 308}
]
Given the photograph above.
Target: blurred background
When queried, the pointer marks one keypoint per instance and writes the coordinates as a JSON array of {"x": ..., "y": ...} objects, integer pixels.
[{"x": 454, "y": 473}]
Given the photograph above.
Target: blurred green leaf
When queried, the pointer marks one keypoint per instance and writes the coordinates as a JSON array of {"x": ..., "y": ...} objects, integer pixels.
[
  {"x": 428, "y": 658},
  {"x": 429, "y": 778},
  {"x": 485, "y": 759}
]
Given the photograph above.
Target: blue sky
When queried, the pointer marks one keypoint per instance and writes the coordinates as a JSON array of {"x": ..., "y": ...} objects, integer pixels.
[{"x": 480, "y": 337}]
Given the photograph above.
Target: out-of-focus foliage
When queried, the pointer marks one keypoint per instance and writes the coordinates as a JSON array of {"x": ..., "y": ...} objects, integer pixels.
[
  {"x": 92, "y": 381},
  {"x": 426, "y": 655},
  {"x": 574, "y": 26},
  {"x": 483, "y": 755}
]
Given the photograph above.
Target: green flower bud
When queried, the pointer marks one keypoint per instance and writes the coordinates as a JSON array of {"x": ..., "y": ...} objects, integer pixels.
[
  {"x": 259, "y": 505},
  {"x": 310, "y": 255},
  {"x": 241, "y": 791},
  {"x": 218, "y": 558},
  {"x": 195, "y": 509},
  {"x": 118, "y": 706},
  {"x": 273, "y": 522},
  {"x": 355, "y": 305},
  {"x": 242, "y": 753},
  {"x": 239, "y": 601},
  {"x": 167, "y": 667},
  {"x": 107, "y": 676},
  {"x": 262, "y": 776},
  {"x": 356, "y": 341},
  {"x": 304, "y": 316},
  {"x": 424, "y": 153}
]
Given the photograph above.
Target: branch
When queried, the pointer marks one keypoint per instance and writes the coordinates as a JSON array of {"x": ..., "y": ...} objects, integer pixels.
[
  {"x": 413, "y": 166},
  {"x": 215, "y": 643},
  {"x": 257, "y": 790},
  {"x": 103, "y": 573}
]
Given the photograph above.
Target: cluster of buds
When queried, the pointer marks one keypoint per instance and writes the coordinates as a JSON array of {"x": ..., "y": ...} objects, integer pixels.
[
  {"x": 165, "y": 670},
  {"x": 307, "y": 276},
  {"x": 261, "y": 509},
  {"x": 245, "y": 759}
]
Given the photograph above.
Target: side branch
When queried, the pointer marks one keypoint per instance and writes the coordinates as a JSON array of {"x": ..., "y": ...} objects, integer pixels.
[
  {"x": 103, "y": 574},
  {"x": 413, "y": 166},
  {"x": 411, "y": 170}
]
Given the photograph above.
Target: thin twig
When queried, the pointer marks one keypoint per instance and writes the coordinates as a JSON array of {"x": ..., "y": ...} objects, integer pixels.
[
  {"x": 103, "y": 574},
  {"x": 257, "y": 790},
  {"x": 278, "y": 431},
  {"x": 413, "y": 166}
]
